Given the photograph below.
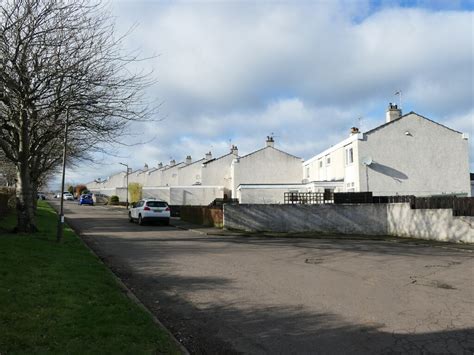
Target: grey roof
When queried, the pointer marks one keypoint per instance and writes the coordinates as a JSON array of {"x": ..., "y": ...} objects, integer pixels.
[
  {"x": 214, "y": 159},
  {"x": 197, "y": 161},
  {"x": 173, "y": 166},
  {"x": 405, "y": 115}
]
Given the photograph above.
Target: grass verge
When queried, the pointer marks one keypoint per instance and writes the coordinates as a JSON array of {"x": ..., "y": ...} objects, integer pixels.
[{"x": 62, "y": 299}]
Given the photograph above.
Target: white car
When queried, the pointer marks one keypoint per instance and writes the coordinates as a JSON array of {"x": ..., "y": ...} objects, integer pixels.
[
  {"x": 149, "y": 210},
  {"x": 68, "y": 196}
]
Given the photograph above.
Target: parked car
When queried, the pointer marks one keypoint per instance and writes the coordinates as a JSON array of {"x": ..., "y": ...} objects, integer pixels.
[
  {"x": 149, "y": 210},
  {"x": 86, "y": 199},
  {"x": 41, "y": 196},
  {"x": 68, "y": 196}
]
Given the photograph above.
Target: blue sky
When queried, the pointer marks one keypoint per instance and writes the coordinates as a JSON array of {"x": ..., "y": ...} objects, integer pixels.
[{"x": 235, "y": 72}]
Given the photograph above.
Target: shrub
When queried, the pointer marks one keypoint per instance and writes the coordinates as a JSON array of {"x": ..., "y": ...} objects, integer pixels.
[
  {"x": 135, "y": 191},
  {"x": 114, "y": 200},
  {"x": 80, "y": 189}
]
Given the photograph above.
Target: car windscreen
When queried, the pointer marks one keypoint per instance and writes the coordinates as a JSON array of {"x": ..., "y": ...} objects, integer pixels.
[{"x": 156, "y": 204}]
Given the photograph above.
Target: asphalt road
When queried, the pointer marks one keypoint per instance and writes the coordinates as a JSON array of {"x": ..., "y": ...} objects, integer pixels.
[{"x": 237, "y": 294}]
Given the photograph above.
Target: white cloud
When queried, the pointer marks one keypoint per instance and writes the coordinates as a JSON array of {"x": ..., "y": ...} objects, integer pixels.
[{"x": 302, "y": 70}]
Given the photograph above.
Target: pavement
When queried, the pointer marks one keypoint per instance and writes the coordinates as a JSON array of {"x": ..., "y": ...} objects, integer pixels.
[{"x": 225, "y": 293}]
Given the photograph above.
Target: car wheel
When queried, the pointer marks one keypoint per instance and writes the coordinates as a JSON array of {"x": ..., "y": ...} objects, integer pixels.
[
  {"x": 140, "y": 220},
  {"x": 130, "y": 219}
]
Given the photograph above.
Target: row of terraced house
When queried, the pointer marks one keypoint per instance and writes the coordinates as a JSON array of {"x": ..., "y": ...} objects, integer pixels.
[{"x": 406, "y": 155}]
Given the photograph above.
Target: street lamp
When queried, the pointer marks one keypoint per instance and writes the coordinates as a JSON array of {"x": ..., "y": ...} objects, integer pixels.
[
  {"x": 59, "y": 234},
  {"x": 126, "y": 166},
  {"x": 60, "y": 229}
]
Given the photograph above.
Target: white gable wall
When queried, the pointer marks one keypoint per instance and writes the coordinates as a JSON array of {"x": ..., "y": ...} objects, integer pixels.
[
  {"x": 414, "y": 156},
  {"x": 170, "y": 175},
  {"x": 217, "y": 173},
  {"x": 190, "y": 174},
  {"x": 266, "y": 166},
  {"x": 117, "y": 180}
]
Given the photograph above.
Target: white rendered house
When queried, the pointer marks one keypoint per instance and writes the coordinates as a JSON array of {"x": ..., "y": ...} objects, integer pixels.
[
  {"x": 407, "y": 155},
  {"x": 254, "y": 177},
  {"x": 217, "y": 171}
]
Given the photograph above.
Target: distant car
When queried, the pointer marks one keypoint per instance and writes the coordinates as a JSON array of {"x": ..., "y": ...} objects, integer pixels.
[
  {"x": 149, "y": 210},
  {"x": 58, "y": 195},
  {"x": 68, "y": 196},
  {"x": 41, "y": 196},
  {"x": 86, "y": 199}
]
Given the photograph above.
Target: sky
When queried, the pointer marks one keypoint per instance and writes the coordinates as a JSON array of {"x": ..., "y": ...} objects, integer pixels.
[{"x": 234, "y": 72}]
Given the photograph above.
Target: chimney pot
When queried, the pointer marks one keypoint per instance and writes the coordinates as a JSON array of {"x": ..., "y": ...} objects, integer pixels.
[
  {"x": 234, "y": 150},
  {"x": 270, "y": 142},
  {"x": 189, "y": 160},
  {"x": 208, "y": 156},
  {"x": 172, "y": 162},
  {"x": 393, "y": 112},
  {"x": 354, "y": 130}
]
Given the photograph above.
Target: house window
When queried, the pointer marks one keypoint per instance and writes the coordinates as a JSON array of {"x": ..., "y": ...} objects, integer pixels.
[
  {"x": 307, "y": 172},
  {"x": 328, "y": 160},
  {"x": 320, "y": 164},
  {"x": 349, "y": 156}
]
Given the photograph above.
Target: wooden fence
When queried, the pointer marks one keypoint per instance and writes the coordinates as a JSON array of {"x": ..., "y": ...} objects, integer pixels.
[
  {"x": 203, "y": 215},
  {"x": 461, "y": 206}
]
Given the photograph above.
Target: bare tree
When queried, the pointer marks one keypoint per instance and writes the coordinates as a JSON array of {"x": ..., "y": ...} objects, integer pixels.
[{"x": 61, "y": 63}]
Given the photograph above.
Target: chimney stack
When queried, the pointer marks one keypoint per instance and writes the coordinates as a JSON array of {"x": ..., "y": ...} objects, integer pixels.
[
  {"x": 393, "y": 112},
  {"x": 234, "y": 150},
  {"x": 172, "y": 162},
  {"x": 208, "y": 156},
  {"x": 270, "y": 142},
  {"x": 145, "y": 167},
  {"x": 354, "y": 130},
  {"x": 160, "y": 165},
  {"x": 189, "y": 160}
]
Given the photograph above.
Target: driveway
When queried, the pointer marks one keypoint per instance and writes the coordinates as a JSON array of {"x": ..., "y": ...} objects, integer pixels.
[{"x": 237, "y": 294}]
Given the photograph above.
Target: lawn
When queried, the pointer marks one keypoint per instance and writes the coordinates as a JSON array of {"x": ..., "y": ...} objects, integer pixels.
[{"x": 59, "y": 298}]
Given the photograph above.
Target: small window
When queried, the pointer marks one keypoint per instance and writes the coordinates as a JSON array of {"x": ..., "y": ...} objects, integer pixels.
[
  {"x": 320, "y": 163},
  {"x": 156, "y": 204},
  {"x": 328, "y": 160},
  {"x": 307, "y": 171},
  {"x": 349, "y": 156}
]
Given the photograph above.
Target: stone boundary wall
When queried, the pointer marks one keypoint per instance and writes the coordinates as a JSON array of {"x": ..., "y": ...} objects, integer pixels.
[
  {"x": 367, "y": 219},
  {"x": 347, "y": 219},
  {"x": 434, "y": 224}
]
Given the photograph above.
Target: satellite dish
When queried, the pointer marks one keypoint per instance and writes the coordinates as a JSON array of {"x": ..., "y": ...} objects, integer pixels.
[{"x": 367, "y": 161}]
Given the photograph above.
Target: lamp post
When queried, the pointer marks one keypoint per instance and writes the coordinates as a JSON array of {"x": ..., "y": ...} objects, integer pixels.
[
  {"x": 60, "y": 229},
  {"x": 59, "y": 234},
  {"x": 126, "y": 166}
]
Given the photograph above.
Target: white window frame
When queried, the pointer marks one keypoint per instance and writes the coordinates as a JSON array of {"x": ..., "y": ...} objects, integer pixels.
[{"x": 349, "y": 154}]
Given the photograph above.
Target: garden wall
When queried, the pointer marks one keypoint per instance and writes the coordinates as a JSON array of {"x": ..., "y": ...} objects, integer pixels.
[{"x": 367, "y": 219}]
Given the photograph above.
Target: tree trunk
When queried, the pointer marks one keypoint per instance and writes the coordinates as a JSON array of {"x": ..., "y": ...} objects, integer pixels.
[{"x": 24, "y": 202}]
